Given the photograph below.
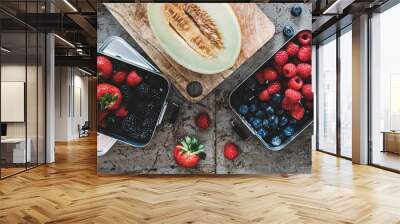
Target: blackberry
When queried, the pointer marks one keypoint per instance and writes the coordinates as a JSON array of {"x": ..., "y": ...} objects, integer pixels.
[
  {"x": 126, "y": 93},
  {"x": 146, "y": 109},
  {"x": 147, "y": 129},
  {"x": 130, "y": 124},
  {"x": 145, "y": 90}
]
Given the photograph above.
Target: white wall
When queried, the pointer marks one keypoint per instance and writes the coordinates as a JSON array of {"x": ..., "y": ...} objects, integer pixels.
[{"x": 69, "y": 84}]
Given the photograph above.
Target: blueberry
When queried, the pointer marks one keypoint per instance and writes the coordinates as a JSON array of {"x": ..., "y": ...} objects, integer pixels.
[
  {"x": 276, "y": 141},
  {"x": 251, "y": 119},
  {"x": 283, "y": 121},
  {"x": 253, "y": 108},
  {"x": 243, "y": 109},
  {"x": 260, "y": 114},
  {"x": 288, "y": 31},
  {"x": 256, "y": 123},
  {"x": 269, "y": 110},
  {"x": 277, "y": 97},
  {"x": 288, "y": 131},
  {"x": 264, "y": 106},
  {"x": 251, "y": 84},
  {"x": 296, "y": 10},
  {"x": 265, "y": 123},
  {"x": 262, "y": 133},
  {"x": 273, "y": 121}
]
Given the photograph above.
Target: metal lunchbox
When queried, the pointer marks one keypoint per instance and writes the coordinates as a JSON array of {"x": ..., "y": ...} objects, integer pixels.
[
  {"x": 238, "y": 96},
  {"x": 119, "y": 51}
]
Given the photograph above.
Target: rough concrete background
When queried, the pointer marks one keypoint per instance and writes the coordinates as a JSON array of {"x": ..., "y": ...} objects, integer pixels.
[{"x": 156, "y": 158}]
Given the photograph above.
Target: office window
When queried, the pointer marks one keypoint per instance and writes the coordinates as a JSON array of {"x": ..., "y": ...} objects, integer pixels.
[
  {"x": 327, "y": 95},
  {"x": 346, "y": 92},
  {"x": 385, "y": 89}
]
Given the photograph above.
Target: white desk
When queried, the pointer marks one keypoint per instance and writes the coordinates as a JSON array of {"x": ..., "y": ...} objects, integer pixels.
[{"x": 18, "y": 149}]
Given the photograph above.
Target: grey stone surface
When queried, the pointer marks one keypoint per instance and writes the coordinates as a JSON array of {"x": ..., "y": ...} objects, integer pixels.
[{"x": 157, "y": 157}]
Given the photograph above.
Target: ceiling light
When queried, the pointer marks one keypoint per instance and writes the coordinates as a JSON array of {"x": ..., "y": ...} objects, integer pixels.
[
  {"x": 5, "y": 50},
  {"x": 337, "y": 7},
  {"x": 70, "y": 5},
  {"x": 84, "y": 71},
  {"x": 64, "y": 40}
]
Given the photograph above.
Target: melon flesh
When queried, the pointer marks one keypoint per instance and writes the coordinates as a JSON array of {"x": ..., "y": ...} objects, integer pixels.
[{"x": 202, "y": 37}]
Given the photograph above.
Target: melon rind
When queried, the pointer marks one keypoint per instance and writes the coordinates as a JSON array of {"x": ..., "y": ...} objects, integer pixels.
[{"x": 178, "y": 49}]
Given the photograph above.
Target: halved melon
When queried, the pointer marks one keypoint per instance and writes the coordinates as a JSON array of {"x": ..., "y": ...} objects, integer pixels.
[{"x": 203, "y": 37}]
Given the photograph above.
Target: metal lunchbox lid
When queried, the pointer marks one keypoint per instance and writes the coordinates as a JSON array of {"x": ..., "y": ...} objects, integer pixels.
[{"x": 118, "y": 49}]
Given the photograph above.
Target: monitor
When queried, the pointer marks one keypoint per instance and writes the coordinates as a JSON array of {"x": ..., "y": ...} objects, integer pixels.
[{"x": 3, "y": 129}]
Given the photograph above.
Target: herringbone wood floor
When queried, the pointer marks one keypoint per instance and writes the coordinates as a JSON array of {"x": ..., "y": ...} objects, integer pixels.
[{"x": 69, "y": 191}]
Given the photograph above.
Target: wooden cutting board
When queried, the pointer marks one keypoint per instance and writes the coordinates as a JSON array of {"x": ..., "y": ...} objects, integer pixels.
[{"x": 256, "y": 29}]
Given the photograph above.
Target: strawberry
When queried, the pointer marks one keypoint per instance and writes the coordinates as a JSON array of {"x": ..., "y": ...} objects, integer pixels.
[
  {"x": 304, "y": 38},
  {"x": 307, "y": 92},
  {"x": 297, "y": 112},
  {"x": 264, "y": 95},
  {"x": 104, "y": 67},
  {"x": 108, "y": 96},
  {"x": 274, "y": 87},
  {"x": 203, "y": 121},
  {"x": 292, "y": 96},
  {"x": 121, "y": 112},
  {"x": 286, "y": 104},
  {"x": 231, "y": 151},
  {"x": 281, "y": 57},
  {"x": 304, "y": 53},
  {"x": 119, "y": 77},
  {"x": 292, "y": 48},
  {"x": 304, "y": 70},
  {"x": 270, "y": 74},
  {"x": 295, "y": 83},
  {"x": 187, "y": 153},
  {"x": 133, "y": 79},
  {"x": 289, "y": 70},
  {"x": 260, "y": 77}
]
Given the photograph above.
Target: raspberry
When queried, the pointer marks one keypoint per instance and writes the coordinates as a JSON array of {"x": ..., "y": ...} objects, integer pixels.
[
  {"x": 119, "y": 77},
  {"x": 260, "y": 77},
  {"x": 297, "y": 112},
  {"x": 264, "y": 95},
  {"x": 292, "y": 48},
  {"x": 286, "y": 105},
  {"x": 304, "y": 70},
  {"x": 281, "y": 57},
  {"x": 304, "y": 38},
  {"x": 304, "y": 53},
  {"x": 307, "y": 92},
  {"x": 274, "y": 87},
  {"x": 133, "y": 79},
  {"x": 289, "y": 70},
  {"x": 295, "y": 83},
  {"x": 270, "y": 74},
  {"x": 293, "y": 96}
]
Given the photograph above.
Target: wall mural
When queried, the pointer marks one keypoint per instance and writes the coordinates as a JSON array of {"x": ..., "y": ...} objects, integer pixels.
[{"x": 190, "y": 88}]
